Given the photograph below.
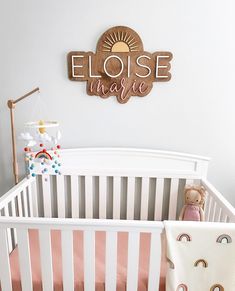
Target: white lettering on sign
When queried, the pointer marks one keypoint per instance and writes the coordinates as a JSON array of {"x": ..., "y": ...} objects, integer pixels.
[
  {"x": 158, "y": 67},
  {"x": 143, "y": 66},
  {"x": 105, "y": 66},
  {"x": 90, "y": 73},
  {"x": 76, "y": 66}
]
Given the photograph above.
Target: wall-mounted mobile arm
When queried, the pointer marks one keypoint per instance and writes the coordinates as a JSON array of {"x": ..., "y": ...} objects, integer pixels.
[{"x": 12, "y": 104}]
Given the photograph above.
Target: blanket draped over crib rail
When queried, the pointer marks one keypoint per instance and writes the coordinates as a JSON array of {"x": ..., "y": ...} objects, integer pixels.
[{"x": 201, "y": 256}]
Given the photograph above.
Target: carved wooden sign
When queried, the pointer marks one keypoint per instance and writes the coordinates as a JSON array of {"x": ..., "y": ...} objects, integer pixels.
[{"x": 120, "y": 67}]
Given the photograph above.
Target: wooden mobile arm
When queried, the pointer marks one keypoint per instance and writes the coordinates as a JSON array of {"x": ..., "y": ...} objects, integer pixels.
[{"x": 11, "y": 105}]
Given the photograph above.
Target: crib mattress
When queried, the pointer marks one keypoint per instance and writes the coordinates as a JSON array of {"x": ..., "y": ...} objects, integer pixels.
[{"x": 78, "y": 262}]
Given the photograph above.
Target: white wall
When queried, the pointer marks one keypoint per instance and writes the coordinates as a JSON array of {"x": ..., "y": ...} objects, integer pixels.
[{"x": 192, "y": 113}]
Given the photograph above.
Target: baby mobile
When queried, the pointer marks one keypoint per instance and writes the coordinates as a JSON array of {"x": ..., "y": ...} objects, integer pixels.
[{"x": 41, "y": 147}]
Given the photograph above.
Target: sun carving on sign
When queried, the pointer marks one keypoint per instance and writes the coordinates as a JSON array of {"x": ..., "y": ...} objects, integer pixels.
[
  {"x": 120, "y": 39},
  {"x": 120, "y": 42}
]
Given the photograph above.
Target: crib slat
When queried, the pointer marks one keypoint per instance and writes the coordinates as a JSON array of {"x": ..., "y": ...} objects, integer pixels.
[
  {"x": 34, "y": 197},
  {"x": 208, "y": 207},
  {"x": 29, "y": 191},
  {"x": 25, "y": 203},
  {"x": 89, "y": 260},
  {"x": 46, "y": 190},
  {"x": 60, "y": 196},
  {"x": 144, "y": 199},
  {"x": 5, "y": 270},
  {"x": 75, "y": 196},
  {"x": 159, "y": 199},
  {"x": 213, "y": 211},
  {"x": 223, "y": 217},
  {"x": 46, "y": 259},
  {"x": 13, "y": 209},
  {"x": 111, "y": 261},
  {"x": 102, "y": 196},
  {"x": 24, "y": 259},
  {"x": 130, "y": 197},
  {"x": 173, "y": 199},
  {"x": 154, "y": 262},
  {"x": 218, "y": 214},
  {"x": 9, "y": 238},
  {"x": 116, "y": 197},
  {"x": 88, "y": 197},
  {"x": 19, "y": 204},
  {"x": 133, "y": 261},
  {"x": 67, "y": 260}
]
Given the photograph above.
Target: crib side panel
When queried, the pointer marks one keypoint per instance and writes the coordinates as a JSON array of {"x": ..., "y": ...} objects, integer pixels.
[
  {"x": 217, "y": 208},
  {"x": 89, "y": 229},
  {"x": 17, "y": 202}
]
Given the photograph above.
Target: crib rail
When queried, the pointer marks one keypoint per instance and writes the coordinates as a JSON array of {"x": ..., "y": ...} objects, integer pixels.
[
  {"x": 217, "y": 208},
  {"x": 89, "y": 227}
]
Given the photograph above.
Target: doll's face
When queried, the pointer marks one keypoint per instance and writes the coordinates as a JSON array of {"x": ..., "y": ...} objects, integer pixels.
[{"x": 193, "y": 197}]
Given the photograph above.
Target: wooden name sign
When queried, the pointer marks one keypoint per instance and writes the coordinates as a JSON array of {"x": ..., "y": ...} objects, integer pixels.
[{"x": 120, "y": 67}]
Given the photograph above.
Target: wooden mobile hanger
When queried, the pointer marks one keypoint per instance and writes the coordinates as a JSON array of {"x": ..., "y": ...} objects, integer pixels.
[{"x": 12, "y": 104}]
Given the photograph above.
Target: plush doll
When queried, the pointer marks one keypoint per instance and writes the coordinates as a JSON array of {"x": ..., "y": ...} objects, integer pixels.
[{"x": 194, "y": 200}]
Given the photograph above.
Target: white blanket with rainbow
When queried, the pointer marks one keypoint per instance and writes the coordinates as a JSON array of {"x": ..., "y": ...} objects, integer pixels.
[{"x": 201, "y": 256}]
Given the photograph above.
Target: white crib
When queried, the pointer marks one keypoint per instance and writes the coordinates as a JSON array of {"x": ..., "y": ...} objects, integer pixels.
[{"x": 101, "y": 189}]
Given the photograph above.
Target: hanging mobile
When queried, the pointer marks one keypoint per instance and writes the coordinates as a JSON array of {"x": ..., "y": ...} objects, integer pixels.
[{"x": 42, "y": 147}]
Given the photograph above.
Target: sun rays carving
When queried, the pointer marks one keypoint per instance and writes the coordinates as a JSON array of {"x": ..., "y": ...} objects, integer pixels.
[{"x": 119, "y": 41}]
